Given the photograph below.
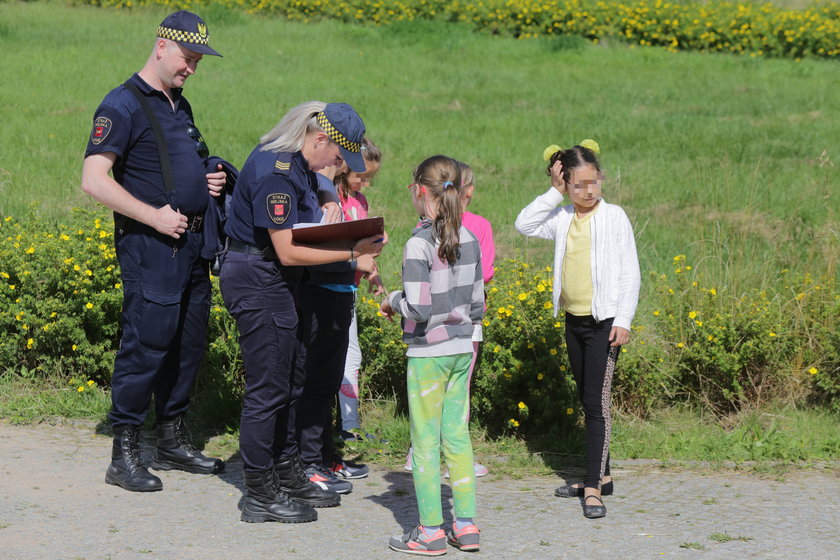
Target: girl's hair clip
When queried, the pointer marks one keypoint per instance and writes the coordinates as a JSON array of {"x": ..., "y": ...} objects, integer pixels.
[
  {"x": 447, "y": 184},
  {"x": 550, "y": 151},
  {"x": 591, "y": 144}
]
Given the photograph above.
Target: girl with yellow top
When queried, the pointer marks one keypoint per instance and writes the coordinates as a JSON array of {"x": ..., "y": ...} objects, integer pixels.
[{"x": 596, "y": 280}]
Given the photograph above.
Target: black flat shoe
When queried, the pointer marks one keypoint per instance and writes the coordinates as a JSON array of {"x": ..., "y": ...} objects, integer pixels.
[
  {"x": 594, "y": 512},
  {"x": 570, "y": 491}
]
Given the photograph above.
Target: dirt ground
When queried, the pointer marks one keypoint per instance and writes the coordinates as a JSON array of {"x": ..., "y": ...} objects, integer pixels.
[{"x": 54, "y": 504}]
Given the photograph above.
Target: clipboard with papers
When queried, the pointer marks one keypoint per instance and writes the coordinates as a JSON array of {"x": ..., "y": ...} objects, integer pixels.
[{"x": 337, "y": 233}]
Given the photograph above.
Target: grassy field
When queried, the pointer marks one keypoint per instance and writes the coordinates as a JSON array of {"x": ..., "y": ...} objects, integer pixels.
[{"x": 727, "y": 159}]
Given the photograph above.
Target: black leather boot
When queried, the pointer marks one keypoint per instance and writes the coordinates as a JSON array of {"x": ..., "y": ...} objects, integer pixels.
[
  {"x": 265, "y": 501},
  {"x": 127, "y": 469},
  {"x": 292, "y": 478},
  {"x": 176, "y": 451}
]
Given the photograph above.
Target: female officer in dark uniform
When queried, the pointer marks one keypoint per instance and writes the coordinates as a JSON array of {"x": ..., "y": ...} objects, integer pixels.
[{"x": 277, "y": 188}]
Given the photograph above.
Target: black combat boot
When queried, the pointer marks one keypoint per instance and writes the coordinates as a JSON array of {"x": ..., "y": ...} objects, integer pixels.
[
  {"x": 127, "y": 469},
  {"x": 292, "y": 478},
  {"x": 176, "y": 451},
  {"x": 265, "y": 501}
]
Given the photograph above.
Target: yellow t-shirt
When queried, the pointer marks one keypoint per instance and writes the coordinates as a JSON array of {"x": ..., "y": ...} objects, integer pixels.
[{"x": 576, "y": 277}]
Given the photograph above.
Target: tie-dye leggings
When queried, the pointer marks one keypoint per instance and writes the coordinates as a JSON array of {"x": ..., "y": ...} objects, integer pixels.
[{"x": 439, "y": 408}]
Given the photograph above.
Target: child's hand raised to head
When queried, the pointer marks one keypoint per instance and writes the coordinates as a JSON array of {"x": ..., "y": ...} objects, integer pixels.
[{"x": 557, "y": 177}]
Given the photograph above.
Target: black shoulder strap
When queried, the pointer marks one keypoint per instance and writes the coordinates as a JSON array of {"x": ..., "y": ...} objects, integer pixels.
[{"x": 165, "y": 164}]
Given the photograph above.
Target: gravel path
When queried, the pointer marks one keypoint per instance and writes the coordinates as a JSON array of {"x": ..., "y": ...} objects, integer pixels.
[{"x": 55, "y": 505}]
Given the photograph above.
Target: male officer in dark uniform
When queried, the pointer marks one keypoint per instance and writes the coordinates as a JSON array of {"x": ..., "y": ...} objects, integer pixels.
[{"x": 158, "y": 238}]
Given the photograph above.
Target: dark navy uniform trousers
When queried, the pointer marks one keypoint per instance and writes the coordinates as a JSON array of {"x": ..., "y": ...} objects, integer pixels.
[
  {"x": 259, "y": 296},
  {"x": 166, "y": 305}
]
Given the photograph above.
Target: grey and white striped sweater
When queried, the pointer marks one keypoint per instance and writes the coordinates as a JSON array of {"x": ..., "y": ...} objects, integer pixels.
[{"x": 440, "y": 303}]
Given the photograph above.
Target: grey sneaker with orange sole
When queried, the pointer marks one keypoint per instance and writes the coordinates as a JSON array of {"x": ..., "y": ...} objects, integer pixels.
[
  {"x": 416, "y": 542},
  {"x": 466, "y": 539}
]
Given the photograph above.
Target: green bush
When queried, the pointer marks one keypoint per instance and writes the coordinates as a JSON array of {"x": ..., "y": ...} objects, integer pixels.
[
  {"x": 713, "y": 26},
  {"x": 704, "y": 345},
  {"x": 60, "y": 296}
]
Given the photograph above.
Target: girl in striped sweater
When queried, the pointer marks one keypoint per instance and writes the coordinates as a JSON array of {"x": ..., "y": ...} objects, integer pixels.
[{"x": 441, "y": 302}]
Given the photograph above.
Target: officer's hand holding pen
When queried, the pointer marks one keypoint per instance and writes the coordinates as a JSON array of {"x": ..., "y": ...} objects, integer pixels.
[
  {"x": 216, "y": 181},
  {"x": 371, "y": 245},
  {"x": 169, "y": 222}
]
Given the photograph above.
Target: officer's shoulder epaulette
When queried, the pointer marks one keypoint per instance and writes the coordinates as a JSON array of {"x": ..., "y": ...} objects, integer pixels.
[{"x": 283, "y": 163}]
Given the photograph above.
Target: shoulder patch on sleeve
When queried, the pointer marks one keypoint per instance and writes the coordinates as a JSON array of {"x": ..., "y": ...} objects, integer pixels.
[
  {"x": 277, "y": 205},
  {"x": 283, "y": 163},
  {"x": 101, "y": 129}
]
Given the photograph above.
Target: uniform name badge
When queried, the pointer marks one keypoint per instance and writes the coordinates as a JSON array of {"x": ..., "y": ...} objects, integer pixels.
[{"x": 278, "y": 205}]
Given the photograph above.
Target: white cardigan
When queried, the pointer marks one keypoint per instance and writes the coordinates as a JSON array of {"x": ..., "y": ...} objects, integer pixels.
[{"x": 615, "y": 265}]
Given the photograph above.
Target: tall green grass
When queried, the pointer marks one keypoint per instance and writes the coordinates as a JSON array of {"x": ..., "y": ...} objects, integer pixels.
[{"x": 730, "y": 160}]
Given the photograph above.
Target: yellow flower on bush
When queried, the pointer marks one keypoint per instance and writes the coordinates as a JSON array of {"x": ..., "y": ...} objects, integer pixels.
[
  {"x": 548, "y": 305},
  {"x": 813, "y": 371},
  {"x": 540, "y": 376},
  {"x": 680, "y": 345},
  {"x": 30, "y": 250},
  {"x": 771, "y": 334},
  {"x": 713, "y": 292},
  {"x": 90, "y": 383},
  {"x": 81, "y": 389},
  {"x": 523, "y": 296},
  {"x": 513, "y": 423},
  {"x": 570, "y": 411},
  {"x": 698, "y": 323},
  {"x": 89, "y": 305},
  {"x": 29, "y": 344},
  {"x": 521, "y": 405},
  {"x": 553, "y": 351},
  {"x": 692, "y": 314},
  {"x": 656, "y": 313}
]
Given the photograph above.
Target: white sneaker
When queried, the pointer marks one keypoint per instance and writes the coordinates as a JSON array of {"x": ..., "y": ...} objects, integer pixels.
[{"x": 480, "y": 470}]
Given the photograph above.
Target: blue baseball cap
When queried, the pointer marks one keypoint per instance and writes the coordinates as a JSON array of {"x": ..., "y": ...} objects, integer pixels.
[
  {"x": 188, "y": 30},
  {"x": 344, "y": 126}
]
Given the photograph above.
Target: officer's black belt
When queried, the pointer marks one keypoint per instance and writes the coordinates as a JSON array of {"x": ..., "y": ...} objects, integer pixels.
[
  {"x": 240, "y": 247},
  {"x": 195, "y": 223}
]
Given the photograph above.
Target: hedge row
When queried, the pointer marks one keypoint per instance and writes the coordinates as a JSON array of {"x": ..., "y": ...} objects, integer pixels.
[
  {"x": 60, "y": 297},
  {"x": 763, "y": 30}
]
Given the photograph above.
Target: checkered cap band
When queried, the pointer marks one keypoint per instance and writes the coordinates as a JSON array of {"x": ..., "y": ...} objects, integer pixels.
[
  {"x": 180, "y": 36},
  {"x": 336, "y": 136}
]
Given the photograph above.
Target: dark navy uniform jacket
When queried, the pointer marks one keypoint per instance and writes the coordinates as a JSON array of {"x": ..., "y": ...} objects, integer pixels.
[
  {"x": 120, "y": 126},
  {"x": 277, "y": 191},
  {"x": 273, "y": 191}
]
